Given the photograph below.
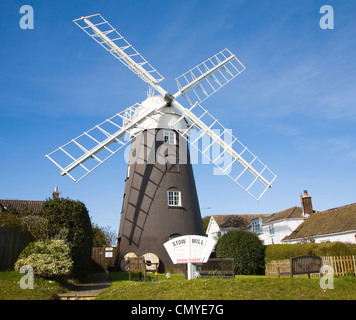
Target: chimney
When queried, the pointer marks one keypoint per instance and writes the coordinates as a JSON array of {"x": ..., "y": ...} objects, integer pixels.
[
  {"x": 306, "y": 203},
  {"x": 55, "y": 193}
]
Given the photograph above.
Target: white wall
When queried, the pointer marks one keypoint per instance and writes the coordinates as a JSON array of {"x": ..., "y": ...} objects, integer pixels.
[{"x": 282, "y": 228}]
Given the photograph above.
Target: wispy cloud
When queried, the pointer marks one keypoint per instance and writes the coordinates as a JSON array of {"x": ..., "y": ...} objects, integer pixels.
[{"x": 340, "y": 150}]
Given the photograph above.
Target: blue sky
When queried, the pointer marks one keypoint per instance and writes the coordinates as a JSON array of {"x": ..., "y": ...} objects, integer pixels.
[{"x": 293, "y": 106}]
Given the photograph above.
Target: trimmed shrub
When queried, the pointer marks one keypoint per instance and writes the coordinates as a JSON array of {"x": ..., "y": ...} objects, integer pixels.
[
  {"x": 286, "y": 251},
  {"x": 70, "y": 221},
  {"x": 48, "y": 258},
  {"x": 245, "y": 248}
]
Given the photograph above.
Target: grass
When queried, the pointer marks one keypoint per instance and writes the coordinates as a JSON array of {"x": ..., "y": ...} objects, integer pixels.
[
  {"x": 42, "y": 290},
  {"x": 240, "y": 288},
  {"x": 177, "y": 288}
]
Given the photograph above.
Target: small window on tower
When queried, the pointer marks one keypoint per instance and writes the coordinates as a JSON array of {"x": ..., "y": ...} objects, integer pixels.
[
  {"x": 174, "y": 198},
  {"x": 169, "y": 137}
]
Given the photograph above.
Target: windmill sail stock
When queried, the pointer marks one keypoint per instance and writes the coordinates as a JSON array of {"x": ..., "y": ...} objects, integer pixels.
[{"x": 216, "y": 143}]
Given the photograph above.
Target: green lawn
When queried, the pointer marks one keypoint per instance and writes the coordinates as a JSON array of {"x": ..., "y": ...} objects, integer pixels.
[
  {"x": 177, "y": 288},
  {"x": 240, "y": 288},
  {"x": 42, "y": 290}
]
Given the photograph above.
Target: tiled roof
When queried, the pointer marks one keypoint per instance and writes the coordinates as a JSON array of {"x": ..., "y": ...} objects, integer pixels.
[
  {"x": 335, "y": 220},
  {"x": 291, "y": 213},
  {"x": 241, "y": 221},
  {"x": 22, "y": 206}
]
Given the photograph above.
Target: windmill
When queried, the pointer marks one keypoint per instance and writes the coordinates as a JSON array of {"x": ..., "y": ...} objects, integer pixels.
[{"x": 160, "y": 197}]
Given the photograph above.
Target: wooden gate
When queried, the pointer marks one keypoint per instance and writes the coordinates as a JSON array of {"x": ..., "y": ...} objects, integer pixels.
[{"x": 105, "y": 256}]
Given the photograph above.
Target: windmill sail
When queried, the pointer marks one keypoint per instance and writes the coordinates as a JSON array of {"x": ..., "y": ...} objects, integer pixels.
[
  {"x": 225, "y": 151},
  {"x": 103, "y": 33},
  {"x": 92, "y": 148},
  {"x": 202, "y": 81}
]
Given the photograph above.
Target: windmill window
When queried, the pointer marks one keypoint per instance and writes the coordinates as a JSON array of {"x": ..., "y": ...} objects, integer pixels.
[
  {"x": 174, "y": 198},
  {"x": 169, "y": 137}
]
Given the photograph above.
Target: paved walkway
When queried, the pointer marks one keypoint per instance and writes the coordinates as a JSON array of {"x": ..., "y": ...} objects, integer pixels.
[{"x": 88, "y": 291}]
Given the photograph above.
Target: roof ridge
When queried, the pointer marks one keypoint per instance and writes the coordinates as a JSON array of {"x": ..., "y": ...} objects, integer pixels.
[{"x": 22, "y": 200}]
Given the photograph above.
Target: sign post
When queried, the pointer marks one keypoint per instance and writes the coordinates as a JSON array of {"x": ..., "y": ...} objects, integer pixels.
[{"x": 190, "y": 249}]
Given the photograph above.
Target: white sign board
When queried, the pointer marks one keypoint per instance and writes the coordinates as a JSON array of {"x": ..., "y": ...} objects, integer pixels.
[
  {"x": 109, "y": 252},
  {"x": 189, "y": 249}
]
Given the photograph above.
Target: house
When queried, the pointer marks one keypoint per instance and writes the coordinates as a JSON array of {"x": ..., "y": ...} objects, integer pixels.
[
  {"x": 337, "y": 224},
  {"x": 270, "y": 228},
  {"x": 292, "y": 225},
  {"x": 221, "y": 224},
  {"x": 24, "y": 207},
  {"x": 280, "y": 225}
]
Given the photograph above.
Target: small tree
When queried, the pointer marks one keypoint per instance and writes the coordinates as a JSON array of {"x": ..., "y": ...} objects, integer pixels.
[
  {"x": 245, "y": 248},
  {"x": 103, "y": 237}
]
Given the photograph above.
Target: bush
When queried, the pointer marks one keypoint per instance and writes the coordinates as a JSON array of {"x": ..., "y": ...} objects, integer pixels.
[
  {"x": 38, "y": 226},
  {"x": 48, "y": 258},
  {"x": 10, "y": 220},
  {"x": 286, "y": 251},
  {"x": 245, "y": 248},
  {"x": 70, "y": 221}
]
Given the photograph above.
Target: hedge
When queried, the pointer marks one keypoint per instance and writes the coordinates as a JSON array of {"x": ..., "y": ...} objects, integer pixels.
[
  {"x": 245, "y": 248},
  {"x": 286, "y": 251}
]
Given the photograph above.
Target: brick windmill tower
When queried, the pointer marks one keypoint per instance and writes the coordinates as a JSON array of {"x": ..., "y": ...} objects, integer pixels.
[{"x": 160, "y": 197}]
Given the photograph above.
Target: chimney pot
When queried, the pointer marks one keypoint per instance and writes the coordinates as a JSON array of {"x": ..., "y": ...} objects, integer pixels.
[{"x": 55, "y": 193}]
